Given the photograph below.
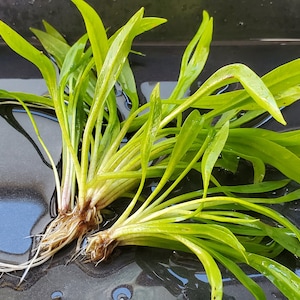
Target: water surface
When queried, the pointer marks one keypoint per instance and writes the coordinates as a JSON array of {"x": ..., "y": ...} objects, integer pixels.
[{"x": 18, "y": 215}]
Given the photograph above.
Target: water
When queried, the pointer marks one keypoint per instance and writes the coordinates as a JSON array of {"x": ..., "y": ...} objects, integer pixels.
[
  {"x": 26, "y": 179},
  {"x": 57, "y": 295},
  {"x": 180, "y": 273},
  {"x": 122, "y": 293},
  {"x": 18, "y": 215}
]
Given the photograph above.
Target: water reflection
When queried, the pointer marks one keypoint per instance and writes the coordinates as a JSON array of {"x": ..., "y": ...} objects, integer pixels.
[
  {"x": 8, "y": 113},
  {"x": 184, "y": 277},
  {"x": 57, "y": 295},
  {"x": 18, "y": 215},
  {"x": 123, "y": 292},
  {"x": 26, "y": 179}
]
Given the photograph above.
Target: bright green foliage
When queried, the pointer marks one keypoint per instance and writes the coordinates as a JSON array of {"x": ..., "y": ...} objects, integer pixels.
[{"x": 216, "y": 222}]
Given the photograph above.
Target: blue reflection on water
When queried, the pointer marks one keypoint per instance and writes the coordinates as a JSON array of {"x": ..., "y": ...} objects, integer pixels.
[
  {"x": 17, "y": 218},
  {"x": 201, "y": 276},
  {"x": 122, "y": 293},
  {"x": 184, "y": 281}
]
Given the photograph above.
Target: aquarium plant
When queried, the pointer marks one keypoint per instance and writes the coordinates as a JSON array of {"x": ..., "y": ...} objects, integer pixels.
[{"x": 106, "y": 158}]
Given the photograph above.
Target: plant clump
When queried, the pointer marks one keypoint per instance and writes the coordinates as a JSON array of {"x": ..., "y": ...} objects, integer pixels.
[{"x": 105, "y": 158}]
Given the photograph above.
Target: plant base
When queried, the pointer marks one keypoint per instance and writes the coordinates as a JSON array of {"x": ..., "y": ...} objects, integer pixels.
[
  {"x": 100, "y": 246},
  {"x": 66, "y": 228}
]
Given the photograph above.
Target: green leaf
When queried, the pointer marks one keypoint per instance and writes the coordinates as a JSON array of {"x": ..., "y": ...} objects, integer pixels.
[
  {"x": 211, "y": 155},
  {"x": 148, "y": 23},
  {"x": 283, "y": 278},
  {"x": 184, "y": 140},
  {"x": 148, "y": 138},
  {"x": 283, "y": 77},
  {"x": 193, "y": 61},
  {"x": 96, "y": 32},
  {"x": 260, "y": 187},
  {"x": 276, "y": 216},
  {"x": 54, "y": 46},
  {"x": 18, "y": 44},
  {"x": 244, "y": 279},
  {"x": 194, "y": 57},
  {"x": 28, "y": 98},
  {"x": 127, "y": 82},
  {"x": 73, "y": 60},
  {"x": 209, "y": 264},
  {"x": 282, "y": 237},
  {"x": 53, "y": 32},
  {"x": 268, "y": 151},
  {"x": 152, "y": 127},
  {"x": 252, "y": 84}
]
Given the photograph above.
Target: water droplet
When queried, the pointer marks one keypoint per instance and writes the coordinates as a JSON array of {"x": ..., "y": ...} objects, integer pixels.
[
  {"x": 276, "y": 295},
  {"x": 123, "y": 292},
  {"x": 57, "y": 295}
]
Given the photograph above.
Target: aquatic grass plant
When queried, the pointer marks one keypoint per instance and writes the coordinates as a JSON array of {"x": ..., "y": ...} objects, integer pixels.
[
  {"x": 105, "y": 158},
  {"x": 85, "y": 130}
]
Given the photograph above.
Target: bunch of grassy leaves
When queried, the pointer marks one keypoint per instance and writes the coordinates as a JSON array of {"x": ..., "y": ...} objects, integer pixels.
[{"x": 219, "y": 224}]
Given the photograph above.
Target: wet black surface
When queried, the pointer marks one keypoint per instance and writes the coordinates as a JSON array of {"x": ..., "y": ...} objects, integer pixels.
[
  {"x": 20, "y": 210},
  {"x": 26, "y": 181},
  {"x": 234, "y": 20}
]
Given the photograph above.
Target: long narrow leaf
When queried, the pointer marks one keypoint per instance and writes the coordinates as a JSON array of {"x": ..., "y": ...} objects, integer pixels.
[
  {"x": 96, "y": 32},
  {"x": 55, "y": 47},
  {"x": 210, "y": 266},
  {"x": 286, "y": 280},
  {"x": 149, "y": 135},
  {"x": 252, "y": 84},
  {"x": 269, "y": 152},
  {"x": 212, "y": 153},
  {"x": 53, "y": 32},
  {"x": 112, "y": 66},
  {"x": 18, "y": 44},
  {"x": 245, "y": 280}
]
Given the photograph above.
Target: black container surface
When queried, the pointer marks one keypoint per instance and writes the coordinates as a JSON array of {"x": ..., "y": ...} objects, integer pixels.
[{"x": 233, "y": 20}]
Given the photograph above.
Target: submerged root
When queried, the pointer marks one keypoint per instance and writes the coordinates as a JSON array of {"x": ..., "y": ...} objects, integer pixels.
[
  {"x": 61, "y": 231},
  {"x": 66, "y": 228},
  {"x": 100, "y": 246}
]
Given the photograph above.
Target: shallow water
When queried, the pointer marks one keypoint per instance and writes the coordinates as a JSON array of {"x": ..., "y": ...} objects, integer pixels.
[
  {"x": 18, "y": 215},
  {"x": 26, "y": 180}
]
